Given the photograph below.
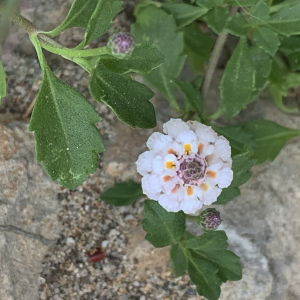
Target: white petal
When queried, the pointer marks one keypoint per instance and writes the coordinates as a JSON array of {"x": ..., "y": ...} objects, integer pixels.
[
  {"x": 144, "y": 162},
  {"x": 170, "y": 183},
  {"x": 186, "y": 137},
  {"x": 162, "y": 143},
  {"x": 207, "y": 150},
  {"x": 158, "y": 142},
  {"x": 152, "y": 186},
  {"x": 224, "y": 177},
  {"x": 222, "y": 149},
  {"x": 175, "y": 148},
  {"x": 152, "y": 138},
  {"x": 211, "y": 196},
  {"x": 174, "y": 127},
  {"x": 198, "y": 192},
  {"x": 190, "y": 206},
  {"x": 158, "y": 165},
  {"x": 206, "y": 134},
  {"x": 169, "y": 203}
]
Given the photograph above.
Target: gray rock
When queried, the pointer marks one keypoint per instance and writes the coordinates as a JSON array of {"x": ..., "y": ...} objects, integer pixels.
[{"x": 28, "y": 223}]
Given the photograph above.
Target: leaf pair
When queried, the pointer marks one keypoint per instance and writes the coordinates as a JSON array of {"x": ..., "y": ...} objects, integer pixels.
[
  {"x": 206, "y": 257},
  {"x": 95, "y": 16}
]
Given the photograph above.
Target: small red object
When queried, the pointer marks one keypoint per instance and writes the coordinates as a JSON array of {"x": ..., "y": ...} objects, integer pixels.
[{"x": 95, "y": 255}]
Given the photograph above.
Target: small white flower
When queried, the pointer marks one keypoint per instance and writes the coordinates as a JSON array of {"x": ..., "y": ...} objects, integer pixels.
[{"x": 186, "y": 167}]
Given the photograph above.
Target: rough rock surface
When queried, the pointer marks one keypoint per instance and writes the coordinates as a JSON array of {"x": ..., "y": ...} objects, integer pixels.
[{"x": 28, "y": 214}]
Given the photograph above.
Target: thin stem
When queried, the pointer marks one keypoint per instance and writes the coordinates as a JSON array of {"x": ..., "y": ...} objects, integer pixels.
[
  {"x": 194, "y": 218},
  {"x": 214, "y": 58},
  {"x": 217, "y": 114},
  {"x": 50, "y": 45}
]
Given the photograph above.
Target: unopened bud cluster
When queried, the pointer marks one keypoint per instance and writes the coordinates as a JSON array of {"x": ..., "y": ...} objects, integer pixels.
[
  {"x": 210, "y": 219},
  {"x": 121, "y": 44}
]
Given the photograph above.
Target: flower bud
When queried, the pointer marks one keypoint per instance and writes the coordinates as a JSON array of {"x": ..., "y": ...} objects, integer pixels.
[
  {"x": 121, "y": 44},
  {"x": 210, "y": 219}
]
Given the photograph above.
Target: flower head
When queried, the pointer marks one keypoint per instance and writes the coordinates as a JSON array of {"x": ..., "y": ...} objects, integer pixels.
[
  {"x": 121, "y": 44},
  {"x": 185, "y": 168},
  {"x": 210, "y": 219}
]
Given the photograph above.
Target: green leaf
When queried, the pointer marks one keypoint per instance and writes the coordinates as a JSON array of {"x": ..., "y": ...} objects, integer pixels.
[
  {"x": 269, "y": 137},
  {"x": 286, "y": 21},
  {"x": 281, "y": 80},
  {"x": 213, "y": 240},
  {"x": 179, "y": 261},
  {"x": 148, "y": 29},
  {"x": 101, "y": 19},
  {"x": 211, "y": 247},
  {"x": 237, "y": 25},
  {"x": 128, "y": 98},
  {"x": 143, "y": 59},
  {"x": 66, "y": 139},
  {"x": 294, "y": 61},
  {"x": 237, "y": 81},
  {"x": 262, "y": 63},
  {"x": 184, "y": 14},
  {"x": 2, "y": 82},
  {"x": 123, "y": 193},
  {"x": 216, "y": 18},
  {"x": 245, "y": 76},
  {"x": 266, "y": 39},
  {"x": 205, "y": 276},
  {"x": 78, "y": 16},
  {"x": 208, "y": 4},
  {"x": 198, "y": 46},
  {"x": 290, "y": 44},
  {"x": 210, "y": 263},
  {"x": 192, "y": 97},
  {"x": 241, "y": 2},
  {"x": 163, "y": 228},
  {"x": 260, "y": 12},
  {"x": 241, "y": 164}
]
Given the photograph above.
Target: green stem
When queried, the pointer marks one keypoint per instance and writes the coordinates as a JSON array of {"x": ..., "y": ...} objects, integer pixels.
[
  {"x": 51, "y": 46},
  {"x": 217, "y": 114},
  {"x": 35, "y": 42},
  {"x": 194, "y": 218}
]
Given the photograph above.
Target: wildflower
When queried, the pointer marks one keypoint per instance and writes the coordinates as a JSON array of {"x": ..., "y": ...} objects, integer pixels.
[
  {"x": 210, "y": 219},
  {"x": 185, "y": 168},
  {"x": 121, "y": 44}
]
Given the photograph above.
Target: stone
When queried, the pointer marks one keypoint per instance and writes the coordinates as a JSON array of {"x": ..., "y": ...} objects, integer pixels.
[{"x": 28, "y": 206}]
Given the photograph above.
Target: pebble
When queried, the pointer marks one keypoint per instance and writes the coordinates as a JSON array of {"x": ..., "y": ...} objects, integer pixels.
[
  {"x": 70, "y": 241},
  {"x": 104, "y": 244},
  {"x": 136, "y": 283}
]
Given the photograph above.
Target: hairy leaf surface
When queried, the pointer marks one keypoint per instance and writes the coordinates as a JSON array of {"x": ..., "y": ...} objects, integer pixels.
[
  {"x": 148, "y": 29},
  {"x": 269, "y": 137},
  {"x": 128, "y": 98},
  {"x": 184, "y": 14},
  {"x": 163, "y": 228},
  {"x": 66, "y": 139}
]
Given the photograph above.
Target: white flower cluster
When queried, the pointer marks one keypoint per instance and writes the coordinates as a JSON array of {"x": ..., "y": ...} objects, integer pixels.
[{"x": 186, "y": 167}]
